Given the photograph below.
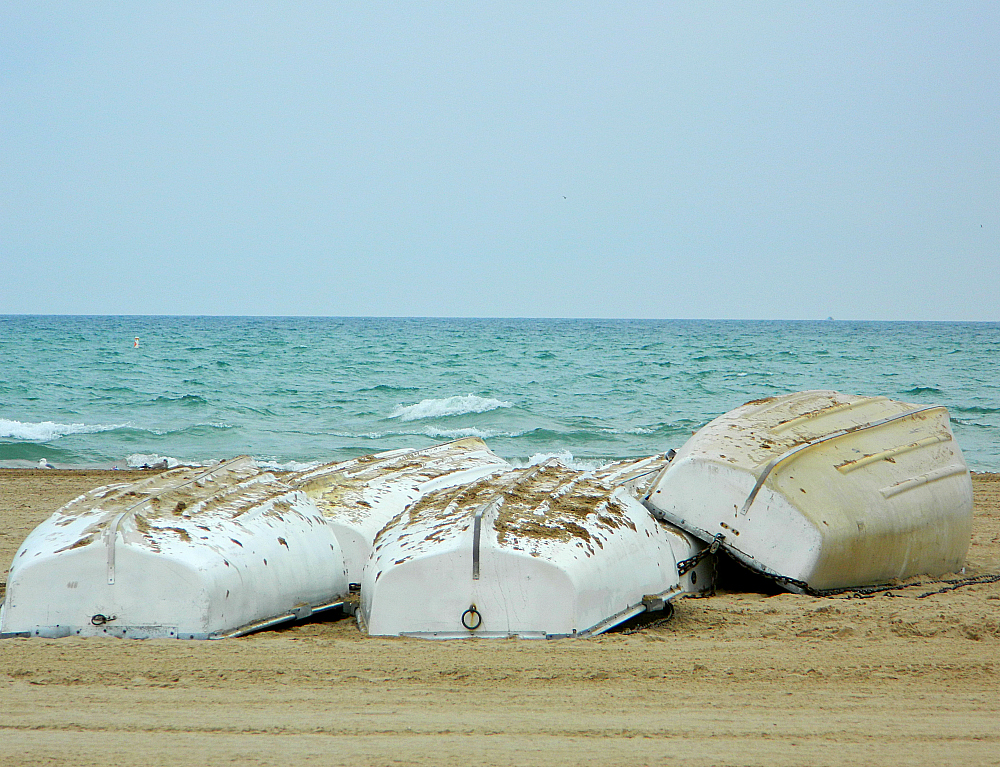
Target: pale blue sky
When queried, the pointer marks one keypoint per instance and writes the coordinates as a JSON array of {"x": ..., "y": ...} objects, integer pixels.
[{"x": 702, "y": 160}]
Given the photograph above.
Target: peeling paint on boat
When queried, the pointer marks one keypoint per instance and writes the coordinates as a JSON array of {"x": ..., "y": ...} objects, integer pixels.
[
  {"x": 187, "y": 553},
  {"x": 541, "y": 552}
]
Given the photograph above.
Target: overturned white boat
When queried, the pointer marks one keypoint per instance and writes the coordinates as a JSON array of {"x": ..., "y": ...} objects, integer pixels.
[
  {"x": 696, "y": 560},
  {"x": 360, "y": 496},
  {"x": 825, "y": 491},
  {"x": 189, "y": 553},
  {"x": 538, "y": 553}
]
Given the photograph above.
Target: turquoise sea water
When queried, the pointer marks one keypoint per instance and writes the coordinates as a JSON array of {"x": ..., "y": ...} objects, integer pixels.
[{"x": 75, "y": 391}]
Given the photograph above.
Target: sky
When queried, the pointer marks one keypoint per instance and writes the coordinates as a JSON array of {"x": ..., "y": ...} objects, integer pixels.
[{"x": 771, "y": 160}]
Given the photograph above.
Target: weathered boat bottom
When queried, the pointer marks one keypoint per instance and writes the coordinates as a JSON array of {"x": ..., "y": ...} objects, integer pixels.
[
  {"x": 824, "y": 492},
  {"x": 189, "y": 553}
]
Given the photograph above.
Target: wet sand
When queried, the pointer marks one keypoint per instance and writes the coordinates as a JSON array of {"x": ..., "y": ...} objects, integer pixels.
[{"x": 743, "y": 678}]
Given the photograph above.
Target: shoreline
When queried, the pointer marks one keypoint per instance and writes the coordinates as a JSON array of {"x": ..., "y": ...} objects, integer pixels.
[{"x": 744, "y": 677}]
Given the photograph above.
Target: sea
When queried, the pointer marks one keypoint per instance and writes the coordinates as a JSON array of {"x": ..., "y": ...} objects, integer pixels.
[{"x": 133, "y": 391}]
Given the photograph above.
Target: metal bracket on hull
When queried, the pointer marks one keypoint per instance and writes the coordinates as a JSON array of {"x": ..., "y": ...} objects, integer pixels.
[
  {"x": 300, "y": 612},
  {"x": 495, "y": 500},
  {"x": 649, "y": 603},
  {"x": 115, "y": 526},
  {"x": 843, "y": 432},
  {"x": 615, "y": 477},
  {"x": 477, "y": 527}
]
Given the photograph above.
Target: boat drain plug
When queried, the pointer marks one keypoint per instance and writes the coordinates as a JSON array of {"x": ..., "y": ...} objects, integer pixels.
[{"x": 471, "y": 618}]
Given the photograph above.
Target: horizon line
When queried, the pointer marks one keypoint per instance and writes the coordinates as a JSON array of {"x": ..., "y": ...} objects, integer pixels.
[{"x": 484, "y": 317}]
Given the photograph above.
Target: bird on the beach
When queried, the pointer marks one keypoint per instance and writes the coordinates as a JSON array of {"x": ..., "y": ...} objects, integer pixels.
[{"x": 43, "y": 464}]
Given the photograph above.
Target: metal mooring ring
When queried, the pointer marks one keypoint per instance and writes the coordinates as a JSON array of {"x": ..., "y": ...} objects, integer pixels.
[
  {"x": 100, "y": 620},
  {"x": 471, "y": 618}
]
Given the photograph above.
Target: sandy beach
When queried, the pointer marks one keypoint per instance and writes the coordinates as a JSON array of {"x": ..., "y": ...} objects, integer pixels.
[{"x": 747, "y": 677}]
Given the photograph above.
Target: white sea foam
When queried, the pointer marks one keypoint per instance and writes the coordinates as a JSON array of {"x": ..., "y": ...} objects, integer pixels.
[
  {"x": 270, "y": 465},
  {"x": 437, "y": 408},
  {"x": 461, "y": 433},
  {"x": 563, "y": 456},
  {"x": 635, "y": 430},
  {"x": 46, "y": 431}
]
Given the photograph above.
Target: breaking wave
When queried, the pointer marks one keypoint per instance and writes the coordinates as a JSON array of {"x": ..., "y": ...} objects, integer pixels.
[
  {"x": 462, "y": 433},
  {"x": 449, "y": 406},
  {"x": 273, "y": 465},
  {"x": 564, "y": 457},
  {"x": 46, "y": 431}
]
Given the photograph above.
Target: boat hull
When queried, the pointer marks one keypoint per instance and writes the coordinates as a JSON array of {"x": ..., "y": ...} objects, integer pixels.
[
  {"x": 538, "y": 553},
  {"x": 192, "y": 554},
  {"x": 360, "y": 496},
  {"x": 825, "y": 491}
]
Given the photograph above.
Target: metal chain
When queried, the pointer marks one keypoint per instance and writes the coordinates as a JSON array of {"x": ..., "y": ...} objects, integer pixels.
[
  {"x": 977, "y": 579},
  {"x": 857, "y": 592},
  {"x": 685, "y": 565},
  {"x": 668, "y": 611},
  {"x": 714, "y": 577},
  {"x": 866, "y": 592}
]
